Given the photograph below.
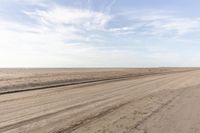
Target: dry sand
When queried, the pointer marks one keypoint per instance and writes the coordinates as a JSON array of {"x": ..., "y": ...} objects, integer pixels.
[
  {"x": 25, "y": 79},
  {"x": 167, "y": 102}
]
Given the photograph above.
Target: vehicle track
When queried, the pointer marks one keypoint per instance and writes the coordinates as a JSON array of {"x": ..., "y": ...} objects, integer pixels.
[
  {"x": 67, "y": 83},
  {"x": 74, "y": 108}
]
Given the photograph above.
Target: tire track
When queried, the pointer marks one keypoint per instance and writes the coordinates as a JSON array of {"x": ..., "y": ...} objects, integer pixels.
[
  {"x": 110, "y": 99},
  {"x": 3, "y": 92},
  {"x": 63, "y": 110}
]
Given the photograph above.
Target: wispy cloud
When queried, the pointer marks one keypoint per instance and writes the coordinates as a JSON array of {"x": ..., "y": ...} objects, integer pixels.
[
  {"x": 156, "y": 23},
  {"x": 71, "y": 16},
  {"x": 108, "y": 8},
  {"x": 60, "y": 35},
  {"x": 70, "y": 23},
  {"x": 63, "y": 35}
]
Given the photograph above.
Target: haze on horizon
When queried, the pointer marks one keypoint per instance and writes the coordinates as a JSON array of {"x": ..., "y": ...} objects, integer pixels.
[{"x": 99, "y": 33}]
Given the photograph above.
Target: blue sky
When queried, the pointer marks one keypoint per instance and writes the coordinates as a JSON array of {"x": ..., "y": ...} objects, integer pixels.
[{"x": 99, "y": 33}]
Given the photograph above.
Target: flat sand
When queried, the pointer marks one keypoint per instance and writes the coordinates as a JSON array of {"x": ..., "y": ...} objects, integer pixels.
[
  {"x": 12, "y": 80},
  {"x": 162, "y": 100}
]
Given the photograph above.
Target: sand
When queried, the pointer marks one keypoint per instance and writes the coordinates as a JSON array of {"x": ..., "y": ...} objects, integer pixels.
[
  {"x": 28, "y": 79},
  {"x": 156, "y": 103}
]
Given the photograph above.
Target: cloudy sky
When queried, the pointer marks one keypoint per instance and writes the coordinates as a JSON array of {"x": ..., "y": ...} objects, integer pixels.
[{"x": 99, "y": 33}]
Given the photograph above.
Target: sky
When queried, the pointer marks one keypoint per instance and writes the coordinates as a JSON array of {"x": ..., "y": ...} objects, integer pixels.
[{"x": 99, "y": 33}]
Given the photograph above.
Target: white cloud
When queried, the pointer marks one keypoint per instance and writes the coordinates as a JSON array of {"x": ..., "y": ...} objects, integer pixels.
[
  {"x": 182, "y": 26},
  {"x": 48, "y": 43},
  {"x": 172, "y": 25},
  {"x": 157, "y": 23},
  {"x": 66, "y": 37},
  {"x": 71, "y": 16},
  {"x": 32, "y": 1}
]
